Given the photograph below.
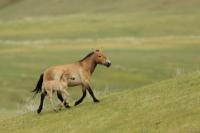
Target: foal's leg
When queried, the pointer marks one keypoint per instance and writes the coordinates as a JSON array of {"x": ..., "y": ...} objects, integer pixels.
[
  {"x": 83, "y": 96},
  {"x": 92, "y": 94},
  {"x": 65, "y": 95},
  {"x": 41, "y": 101},
  {"x": 50, "y": 97}
]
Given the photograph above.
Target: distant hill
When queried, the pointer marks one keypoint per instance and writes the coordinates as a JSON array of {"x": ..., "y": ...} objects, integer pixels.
[{"x": 34, "y": 8}]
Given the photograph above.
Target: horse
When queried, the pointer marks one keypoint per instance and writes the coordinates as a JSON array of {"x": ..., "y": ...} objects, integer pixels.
[
  {"x": 81, "y": 70},
  {"x": 57, "y": 85}
]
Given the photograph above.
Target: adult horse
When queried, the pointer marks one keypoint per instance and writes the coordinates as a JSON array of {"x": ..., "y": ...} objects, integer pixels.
[{"x": 81, "y": 70}]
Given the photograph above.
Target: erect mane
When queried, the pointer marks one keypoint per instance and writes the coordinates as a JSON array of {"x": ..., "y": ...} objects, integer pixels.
[{"x": 90, "y": 54}]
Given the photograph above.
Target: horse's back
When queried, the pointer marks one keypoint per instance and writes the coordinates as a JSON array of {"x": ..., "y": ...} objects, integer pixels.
[{"x": 55, "y": 72}]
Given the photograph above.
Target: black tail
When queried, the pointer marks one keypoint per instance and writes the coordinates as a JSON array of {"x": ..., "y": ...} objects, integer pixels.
[{"x": 38, "y": 88}]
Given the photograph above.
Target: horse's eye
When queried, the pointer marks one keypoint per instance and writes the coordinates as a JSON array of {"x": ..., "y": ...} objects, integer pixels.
[{"x": 99, "y": 56}]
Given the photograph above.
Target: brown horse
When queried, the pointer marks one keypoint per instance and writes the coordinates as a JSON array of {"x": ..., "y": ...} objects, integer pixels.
[{"x": 81, "y": 71}]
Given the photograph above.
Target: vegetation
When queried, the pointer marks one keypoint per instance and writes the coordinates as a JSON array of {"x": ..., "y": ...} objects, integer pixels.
[
  {"x": 169, "y": 106},
  {"x": 147, "y": 42}
]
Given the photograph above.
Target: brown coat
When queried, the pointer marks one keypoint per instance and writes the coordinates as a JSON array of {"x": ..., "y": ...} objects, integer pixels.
[{"x": 81, "y": 70}]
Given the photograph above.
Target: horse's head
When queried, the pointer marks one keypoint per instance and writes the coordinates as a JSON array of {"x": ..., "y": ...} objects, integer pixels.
[{"x": 101, "y": 58}]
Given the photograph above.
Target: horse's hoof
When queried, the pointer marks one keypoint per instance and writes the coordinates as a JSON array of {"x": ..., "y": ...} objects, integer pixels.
[
  {"x": 77, "y": 103},
  {"x": 38, "y": 111},
  {"x": 67, "y": 106},
  {"x": 96, "y": 101}
]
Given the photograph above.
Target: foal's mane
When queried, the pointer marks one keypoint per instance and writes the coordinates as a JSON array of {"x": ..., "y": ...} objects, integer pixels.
[{"x": 90, "y": 54}]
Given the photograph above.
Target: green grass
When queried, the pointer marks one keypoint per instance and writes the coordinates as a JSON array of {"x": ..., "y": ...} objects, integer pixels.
[
  {"x": 147, "y": 41},
  {"x": 66, "y": 19},
  {"x": 88, "y": 26},
  {"x": 169, "y": 106},
  {"x": 33, "y": 8}
]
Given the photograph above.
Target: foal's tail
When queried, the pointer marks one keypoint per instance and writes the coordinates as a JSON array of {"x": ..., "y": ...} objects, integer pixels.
[{"x": 38, "y": 87}]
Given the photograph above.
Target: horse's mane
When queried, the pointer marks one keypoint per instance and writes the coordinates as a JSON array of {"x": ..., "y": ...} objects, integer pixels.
[{"x": 86, "y": 56}]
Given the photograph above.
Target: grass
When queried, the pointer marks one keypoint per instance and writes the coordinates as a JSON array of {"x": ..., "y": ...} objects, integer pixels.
[
  {"x": 169, "y": 106},
  {"x": 147, "y": 42},
  {"x": 33, "y": 8},
  {"x": 66, "y": 19},
  {"x": 88, "y": 26}
]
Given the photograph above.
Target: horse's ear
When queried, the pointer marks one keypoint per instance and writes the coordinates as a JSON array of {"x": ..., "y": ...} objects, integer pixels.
[
  {"x": 94, "y": 50},
  {"x": 97, "y": 50}
]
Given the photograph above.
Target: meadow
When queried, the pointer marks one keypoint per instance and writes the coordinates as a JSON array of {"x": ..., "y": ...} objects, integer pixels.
[{"x": 147, "y": 42}]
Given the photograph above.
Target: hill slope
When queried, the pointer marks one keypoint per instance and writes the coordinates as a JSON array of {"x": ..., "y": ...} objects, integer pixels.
[{"x": 170, "y": 106}]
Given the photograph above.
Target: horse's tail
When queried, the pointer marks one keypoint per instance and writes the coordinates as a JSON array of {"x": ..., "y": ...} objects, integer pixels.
[{"x": 38, "y": 87}]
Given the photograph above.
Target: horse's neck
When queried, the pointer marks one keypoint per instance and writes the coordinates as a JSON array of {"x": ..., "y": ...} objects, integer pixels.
[{"x": 89, "y": 65}]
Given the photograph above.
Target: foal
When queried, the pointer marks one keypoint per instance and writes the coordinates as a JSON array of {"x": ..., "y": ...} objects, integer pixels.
[{"x": 57, "y": 85}]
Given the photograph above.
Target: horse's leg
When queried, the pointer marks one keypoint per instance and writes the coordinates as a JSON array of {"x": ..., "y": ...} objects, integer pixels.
[
  {"x": 92, "y": 94},
  {"x": 60, "y": 97},
  {"x": 41, "y": 101},
  {"x": 83, "y": 96},
  {"x": 50, "y": 97},
  {"x": 65, "y": 95}
]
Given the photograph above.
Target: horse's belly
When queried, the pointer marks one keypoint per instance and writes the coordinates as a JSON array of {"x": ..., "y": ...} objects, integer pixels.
[{"x": 75, "y": 82}]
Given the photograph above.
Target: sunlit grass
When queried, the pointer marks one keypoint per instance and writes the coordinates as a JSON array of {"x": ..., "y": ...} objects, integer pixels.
[{"x": 169, "y": 106}]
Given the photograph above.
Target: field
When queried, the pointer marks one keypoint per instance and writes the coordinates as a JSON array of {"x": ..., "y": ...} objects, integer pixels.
[
  {"x": 147, "y": 42},
  {"x": 169, "y": 106}
]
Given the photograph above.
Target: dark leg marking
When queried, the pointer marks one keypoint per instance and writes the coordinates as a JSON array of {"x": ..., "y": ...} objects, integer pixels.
[
  {"x": 81, "y": 99},
  {"x": 59, "y": 95},
  {"x": 92, "y": 94},
  {"x": 41, "y": 102}
]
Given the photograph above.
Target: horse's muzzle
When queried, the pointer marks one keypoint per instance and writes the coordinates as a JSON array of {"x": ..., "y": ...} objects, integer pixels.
[{"x": 108, "y": 63}]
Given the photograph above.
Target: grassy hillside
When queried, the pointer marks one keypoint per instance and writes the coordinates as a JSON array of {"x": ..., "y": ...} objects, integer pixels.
[
  {"x": 147, "y": 41},
  {"x": 34, "y": 8},
  {"x": 170, "y": 106},
  {"x": 94, "y": 19},
  {"x": 83, "y": 26}
]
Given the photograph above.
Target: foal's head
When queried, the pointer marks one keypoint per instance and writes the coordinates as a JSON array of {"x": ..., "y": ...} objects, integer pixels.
[
  {"x": 66, "y": 77},
  {"x": 101, "y": 58}
]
